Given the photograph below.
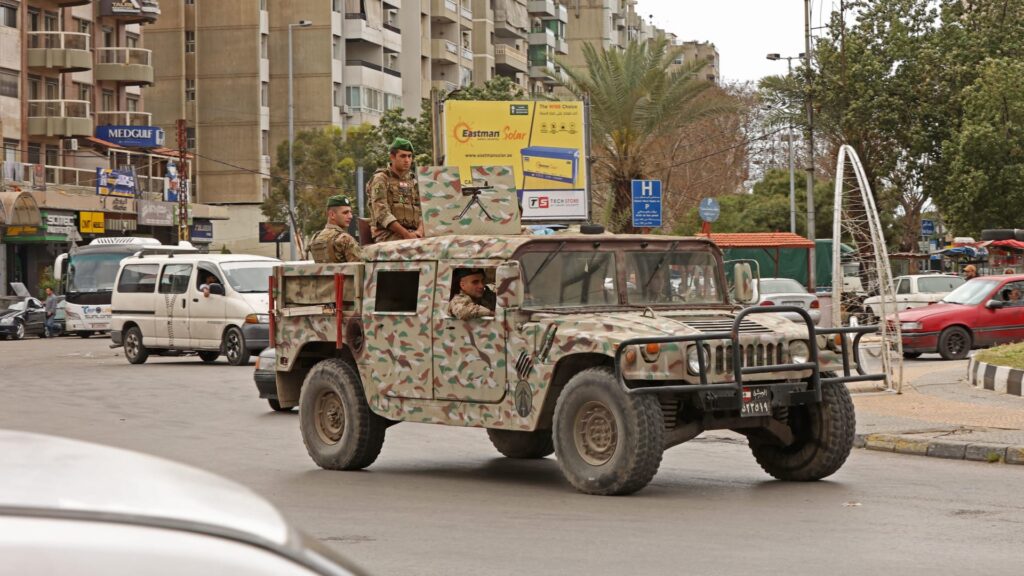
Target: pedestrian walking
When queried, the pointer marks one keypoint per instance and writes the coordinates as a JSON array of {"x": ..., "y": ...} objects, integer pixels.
[
  {"x": 333, "y": 243},
  {"x": 395, "y": 198},
  {"x": 50, "y": 328}
]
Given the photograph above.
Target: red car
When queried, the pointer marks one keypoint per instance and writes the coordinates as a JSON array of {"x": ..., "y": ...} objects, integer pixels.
[{"x": 983, "y": 312}]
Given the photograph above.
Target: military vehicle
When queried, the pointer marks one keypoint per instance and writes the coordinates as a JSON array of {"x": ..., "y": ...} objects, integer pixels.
[{"x": 603, "y": 349}]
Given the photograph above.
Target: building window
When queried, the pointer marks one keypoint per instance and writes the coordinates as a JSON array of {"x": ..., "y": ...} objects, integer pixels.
[
  {"x": 84, "y": 26},
  {"x": 190, "y": 90},
  {"x": 353, "y": 97},
  {"x": 108, "y": 38},
  {"x": 8, "y": 83},
  {"x": 336, "y": 45},
  {"x": 190, "y": 2},
  {"x": 35, "y": 88},
  {"x": 264, "y": 46},
  {"x": 10, "y": 150},
  {"x": 108, "y": 100},
  {"x": 52, "y": 156},
  {"x": 263, "y": 5},
  {"x": 34, "y": 153},
  {"x": 50, "y": 21},
  {"x": 266, "y": 188},
  {"x": 132, "y": 104},
  {"x": 131, "y": 41},
  {"x": 265, "y": 142},
  {"x": 190, "y": 138},
  {"x": 190, "y": 41},
  {"x": 52, "y": 89},
  {"x": 84, "y": 92},
  {"x": 337, "y": 95},
  {"x": 678, "y": 59},
  {"x": 8, "y": 15},
  {"x": 264, "y": 93},
  {"x": 336, "y": 6},
  {"x": 392, "y": 101}
]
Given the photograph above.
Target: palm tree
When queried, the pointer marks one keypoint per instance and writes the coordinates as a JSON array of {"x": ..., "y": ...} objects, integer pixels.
[{"x": 638, "y": 99}]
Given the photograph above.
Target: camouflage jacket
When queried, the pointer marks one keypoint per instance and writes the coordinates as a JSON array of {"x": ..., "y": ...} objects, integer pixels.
[
  {"x": 464, "y": 307},
  {"x": 333, "y": 244},
  {"x": 393, "y": 199}
]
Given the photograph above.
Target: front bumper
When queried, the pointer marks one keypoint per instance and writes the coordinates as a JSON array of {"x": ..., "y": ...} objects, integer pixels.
[
  {"x": 257, "y": 337},
  {"x": 920, "y": 342},
  {"x": 266, "y": 383},
  {"x": 7, "y": 329}
]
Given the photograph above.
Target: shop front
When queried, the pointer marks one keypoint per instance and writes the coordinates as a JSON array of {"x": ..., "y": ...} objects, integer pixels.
[
  {"x": 31, "y": 250},
  {"x": 19, "y": 216}
]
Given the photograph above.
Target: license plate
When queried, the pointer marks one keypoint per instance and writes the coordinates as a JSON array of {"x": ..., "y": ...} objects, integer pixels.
[
  {"x": 757, "y": 401},
  {"x": 797, "y": 303}
]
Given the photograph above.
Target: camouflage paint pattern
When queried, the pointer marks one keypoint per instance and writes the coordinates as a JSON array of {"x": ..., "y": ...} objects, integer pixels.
[{"x": 446, "y": 211}]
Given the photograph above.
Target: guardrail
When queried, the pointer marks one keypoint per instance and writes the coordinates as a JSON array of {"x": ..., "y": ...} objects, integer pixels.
[
  {"x": 58, "y": 108},
  {"x": 121, "y": 55},
  {"x": 58, "y": 40},
  {"x": 124, "y": 118}
]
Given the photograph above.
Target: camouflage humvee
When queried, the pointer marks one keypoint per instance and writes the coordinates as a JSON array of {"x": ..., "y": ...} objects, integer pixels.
[{"x": 593, "y": 351}]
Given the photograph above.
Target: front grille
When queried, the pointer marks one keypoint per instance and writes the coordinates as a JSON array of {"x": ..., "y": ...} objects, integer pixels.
[
  {"x": 769, "y": 354},
  {"x": 725, "y": 325}
]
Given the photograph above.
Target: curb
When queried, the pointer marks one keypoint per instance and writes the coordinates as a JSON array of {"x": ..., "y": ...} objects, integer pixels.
[
  {"x": 906, "y": 444},
  {"x": 1001, "y": 379}
]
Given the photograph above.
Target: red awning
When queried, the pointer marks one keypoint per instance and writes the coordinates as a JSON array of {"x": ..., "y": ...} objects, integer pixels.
[{"x": 1011, "y": 244}]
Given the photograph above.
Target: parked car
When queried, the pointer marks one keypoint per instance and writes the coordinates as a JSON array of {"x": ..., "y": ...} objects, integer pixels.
[
  {"x": 72, "y": 507},
  {"x": 915, "y": 291},
  {"x": 265, "y": 376},
  {"x": 787, "y": 292},
  {"x": 982, "y": 312},
  {"x": 24, "y": 318}
]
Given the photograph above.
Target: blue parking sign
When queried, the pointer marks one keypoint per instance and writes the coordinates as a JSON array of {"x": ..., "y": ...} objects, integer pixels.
[{"x": 646, "y": 203}]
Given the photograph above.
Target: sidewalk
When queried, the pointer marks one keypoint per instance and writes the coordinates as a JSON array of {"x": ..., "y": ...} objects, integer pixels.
[{"x": 939, "y": 414}]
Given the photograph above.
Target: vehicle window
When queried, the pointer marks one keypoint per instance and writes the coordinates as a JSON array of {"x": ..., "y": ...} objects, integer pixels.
[
  {"x": 559, "y": 279},
  {"x": 33, "y": 303},
  {"x": 939, "y": 284},
  {"x": 780, "y": 286},
  {"x": 138, "y": 278},
  {"x": 971, "y": 293},
  {"x": 1012, "y": 294},
  {"x": 175, "y": 278},
  {"x": 903, "y": 286},
  {"x": 248, "y": 277},
  {"x": 654, "y": 277},
  {"x": 17, "y": 306},
  {"x": 489, "y": 297},
  {"x": 206, "y": 275},
  {"x": 94, "y": 272},
  {"x": 397, "y": 291}
]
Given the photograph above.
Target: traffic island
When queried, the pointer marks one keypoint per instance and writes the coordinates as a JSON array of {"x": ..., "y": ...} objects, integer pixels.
[{"x": 999, "y": 369}]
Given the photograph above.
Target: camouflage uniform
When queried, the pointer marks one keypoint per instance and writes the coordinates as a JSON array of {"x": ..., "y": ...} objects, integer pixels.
[
  {"x": 465, "y": 307},
  {"x": 393, "y": 199},
  {"x": 333, "y": 244}
]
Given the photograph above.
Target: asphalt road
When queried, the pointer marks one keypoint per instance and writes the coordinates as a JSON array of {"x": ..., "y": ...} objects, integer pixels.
[{"x": 441, "y": 501}]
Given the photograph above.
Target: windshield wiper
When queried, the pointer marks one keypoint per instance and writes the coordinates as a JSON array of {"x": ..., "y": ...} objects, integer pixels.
[
  {"x": 660, "y": 263},
  {"x": 548, "y": 260}
]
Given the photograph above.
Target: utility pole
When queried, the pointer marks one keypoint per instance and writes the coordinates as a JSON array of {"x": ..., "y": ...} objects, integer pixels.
[
  {"x": 810, "y": 145},
  {"x": 183, "y": 184}
]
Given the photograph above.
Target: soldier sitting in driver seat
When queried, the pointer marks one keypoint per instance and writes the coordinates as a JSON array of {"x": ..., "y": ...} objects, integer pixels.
[{"x": 474, "y": 299}]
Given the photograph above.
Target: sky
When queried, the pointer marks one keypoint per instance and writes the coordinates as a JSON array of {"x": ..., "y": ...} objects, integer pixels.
[{"x": 743, "y": 31}]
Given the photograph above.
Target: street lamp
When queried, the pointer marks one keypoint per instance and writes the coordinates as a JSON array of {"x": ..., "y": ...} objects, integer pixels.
[
  {"x": 789, "y": 139},
  {"x": 291, "y": 140}
]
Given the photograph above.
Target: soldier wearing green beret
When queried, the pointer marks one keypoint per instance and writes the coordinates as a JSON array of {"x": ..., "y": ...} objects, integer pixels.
[
  {"x": 333, "y": 244},
  {"x": 395, "y": 211}
]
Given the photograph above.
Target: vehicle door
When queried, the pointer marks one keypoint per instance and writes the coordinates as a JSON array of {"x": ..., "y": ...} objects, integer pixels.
[
  {"x": 398, "y": 303},
  {"x": 469, "y": 355},
  {"x": 1004, "y": 324},
  {"x": 206, "y": 312},
  {"x": 134, "y": 299},
  {"x": 904, "y": 294},
  {"x": 35, "y": 316},
  {"x": 172, "y": 324}
]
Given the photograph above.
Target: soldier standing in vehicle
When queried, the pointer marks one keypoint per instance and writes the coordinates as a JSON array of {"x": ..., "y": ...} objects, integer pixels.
[
  {"x": 333, "y": 244},
  {"x": 394, "y": 197},
  {"x": 471, "y": 301}
]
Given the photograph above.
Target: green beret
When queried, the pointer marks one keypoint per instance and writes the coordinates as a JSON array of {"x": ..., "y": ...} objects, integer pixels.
[
  {"x": 338, "y": 200},
  {"x": 401, "y": 144}
]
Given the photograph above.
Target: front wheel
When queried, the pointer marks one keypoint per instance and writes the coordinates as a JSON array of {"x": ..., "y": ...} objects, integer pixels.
[
  {"x": 134, "y": 350},
  {"x": 19, "y": 330},
  {"x": 234, "y": 347},
  {"x": 338, "y": 428},
  {"x": 607, "y": 442},
  {"x": 954, "y": 343},
  {"x": 822, "y": 438},
  {"x": 518, "y": 444}
]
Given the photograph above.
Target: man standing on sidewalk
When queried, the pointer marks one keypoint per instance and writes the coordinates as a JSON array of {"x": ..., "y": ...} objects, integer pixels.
[{"x": 50, "y": 329}]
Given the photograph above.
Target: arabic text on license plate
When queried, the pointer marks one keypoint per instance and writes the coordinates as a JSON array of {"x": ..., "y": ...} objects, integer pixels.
[{"x": 757, "y": 401}]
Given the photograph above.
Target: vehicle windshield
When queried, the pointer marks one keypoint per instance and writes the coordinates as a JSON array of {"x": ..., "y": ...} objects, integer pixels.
[
  {"x": 972, "y": 292},
  {"x": 559, "y": 279},
  {"x": 939, "y": 284},
  {"x": 672, "y": 277},
  {"x": 248, "y": 277},
  {"x": 93, "y": 272},
  {"x": 780, "y": 286},
  {"x": 17, "y": 306}
]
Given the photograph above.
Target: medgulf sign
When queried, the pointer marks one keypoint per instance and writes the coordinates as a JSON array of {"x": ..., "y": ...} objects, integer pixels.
[{"x": 131, "y": 136}]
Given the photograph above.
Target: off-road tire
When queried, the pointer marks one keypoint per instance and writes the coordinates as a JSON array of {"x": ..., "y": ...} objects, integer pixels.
[
  {"x": 954, "y": 343},
  {"x": 19, "y": 330},
  {"x": 823, "y": 437},
  {"x": 998, "y": 234},
  {"x": 525, "y": 445},
  {"x": 607, "y": 442},
  {"x": 134, "y": 350},
  {"x": 276, "y": 406},
  {"x": 911, "y": 355},
  {"x": 338, "y": 428},
  {"x": 233, "y": 347},
  {"x": 209, "y": 356}
]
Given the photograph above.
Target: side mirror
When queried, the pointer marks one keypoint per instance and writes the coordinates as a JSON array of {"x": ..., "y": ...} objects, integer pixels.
[
  {"x": 508, "y": 281},
  {"x": 994, "y": 304},
  {"x": 743, "y": 279},
  {"x": 217, "y": 289}
]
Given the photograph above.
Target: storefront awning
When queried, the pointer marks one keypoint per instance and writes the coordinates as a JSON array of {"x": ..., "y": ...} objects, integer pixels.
[{"x": 19, "y": 209}]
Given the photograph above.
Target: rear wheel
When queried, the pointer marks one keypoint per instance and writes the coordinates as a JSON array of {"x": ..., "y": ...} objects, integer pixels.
[
  {"x": 209, "y": 356},
  {"x": 822, "y": 438},
  {"x": 338, "y": 428},
  {"x": 954, "y": 343},
  {"x": 134, "y": 350},
  {"x": 234, "y": 347},
  {"x": 519, "y": 444},
  {"x": 607, "y": 442}
]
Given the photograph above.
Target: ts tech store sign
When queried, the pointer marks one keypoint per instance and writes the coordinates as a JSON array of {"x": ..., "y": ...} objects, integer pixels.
[{"x": 544, "y": 143}]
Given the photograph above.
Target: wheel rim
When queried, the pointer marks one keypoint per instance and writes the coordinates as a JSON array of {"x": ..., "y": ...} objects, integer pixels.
[
  {"x": 131, "y": 344},
  {"x": 595, "y": 433},
  {"x": 329, "y": 417},
  {"x": 956, "y": 343},
  {"x": 233, "y": 346},
  {"x": 19, "y": 331}
]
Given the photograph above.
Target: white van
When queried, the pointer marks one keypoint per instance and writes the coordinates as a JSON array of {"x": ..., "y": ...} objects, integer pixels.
[{"x": 212, "y": 304}]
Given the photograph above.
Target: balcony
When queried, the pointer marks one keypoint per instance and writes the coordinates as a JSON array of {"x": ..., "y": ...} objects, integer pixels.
[
  {"x": 561, "y": 46},
  {"x": 541, "y": 37},
  {"x": 444, "y": 51},
  {"x": 563, "y": 14},
  {"x": 444, "y": 11},
  {"x": 356, "y": 28},
  {"x": 130, "y": 66},
  {"x": 147, "y": 11},
  {"x": 467, "y": 13},
  {"x": 504, "y": 28},
  {"x": 543, "y": 71},
  {"x": 509, "y": 60},
  {"x": 64, "y": 118},
  {"x": 444, "y": 86},
  {"x": 123, "y": 118},
  {"x": 61, "y": 51},
  {"x": 151, "y": 10},
  {"x": 542, "y": 8}
]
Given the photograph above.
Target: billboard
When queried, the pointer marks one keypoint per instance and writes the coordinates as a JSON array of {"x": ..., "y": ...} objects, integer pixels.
[
  {"x": 131, "y": 136},
  {"x": 544, "y": 143},
  {"x": 115, "y": 183}
]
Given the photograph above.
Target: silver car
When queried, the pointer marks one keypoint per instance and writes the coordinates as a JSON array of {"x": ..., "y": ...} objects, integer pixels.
[
  {"x": 72, "y": 507},
  {"x": 788, "y": 292}
]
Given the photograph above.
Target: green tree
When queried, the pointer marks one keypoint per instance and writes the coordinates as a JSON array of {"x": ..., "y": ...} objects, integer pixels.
[{"x": 637, "y": 98}]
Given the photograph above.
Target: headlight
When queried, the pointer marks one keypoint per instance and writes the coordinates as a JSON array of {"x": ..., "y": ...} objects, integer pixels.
[
  {"x": 257, "y": 319},
  {"x": 910, "y": 325},
  {"x": 6, "y": 321},
  {"x": 798, "y": 351},
  {"x": 692, "y": 362}
]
